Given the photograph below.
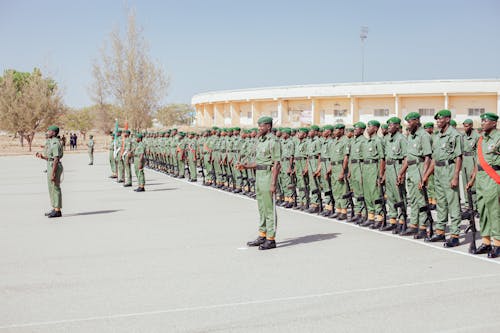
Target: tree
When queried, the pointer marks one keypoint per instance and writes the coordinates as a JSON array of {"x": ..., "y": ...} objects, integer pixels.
[
  {"x": 176, "y": 114},
  {"x": 28, "y": 102},
  {"x": 127, "y": 77},
  {"x": 80, "y": 120}
]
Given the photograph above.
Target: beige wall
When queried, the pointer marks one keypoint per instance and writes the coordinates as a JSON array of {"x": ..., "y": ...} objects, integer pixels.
[{"x": 366, "y": 105}]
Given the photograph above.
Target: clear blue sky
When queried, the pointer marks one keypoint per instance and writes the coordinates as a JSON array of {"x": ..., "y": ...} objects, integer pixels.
[{"x": 215, "y": 45}]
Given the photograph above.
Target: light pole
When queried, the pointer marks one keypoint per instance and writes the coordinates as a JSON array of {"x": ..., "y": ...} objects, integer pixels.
[{"x": 363, "y": 35}]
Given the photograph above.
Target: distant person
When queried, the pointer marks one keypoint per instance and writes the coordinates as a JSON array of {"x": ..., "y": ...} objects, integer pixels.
[
  {"x": 63, "y": 141},
  {"x": 53, "y": 153},
  {"x": 75, "y": 141},
  {"x": 90, "y": 146}
]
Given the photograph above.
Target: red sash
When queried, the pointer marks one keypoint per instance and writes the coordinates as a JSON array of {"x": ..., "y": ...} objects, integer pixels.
[{"x": 489, "y": 170}]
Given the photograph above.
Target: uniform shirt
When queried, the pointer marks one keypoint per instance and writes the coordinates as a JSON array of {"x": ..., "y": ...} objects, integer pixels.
[
  {"x": 90, "y": 144},
  {"x": 268, "y": 150},
  {"x": 54, "y": 149},
  {"x": 301, "y": 148},
  {"x": 313, "y": 147},
  {"x": 339, "y": 148},
  {"x": 419, "y": 145},
  {"x": 139, "y": 149},
  {"x": 287, "y": 148},
  {"x": 396, "y": 146},
  {"x": 470, "y": 142},
  {"x": 373, "y": 148},
  {"x": 447, "y": 146},
  {"x": 357, "y": 147},
  {"x": 491, "y": 147}
]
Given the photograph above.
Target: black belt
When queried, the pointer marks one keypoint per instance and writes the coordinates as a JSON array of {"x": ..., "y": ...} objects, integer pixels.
[
  {"x": 285, "y": 159},
  {"x": 391, "y": 162},
  {"x": 234, "y": 151},
  {"x": 444, "y": 163},
  {"x": 495, "y": 167},
  {"x": 222, "y": 150},
  {"x": 263, "y": 167},
  {"x": 370, "y": 161},
  {"x": 469, "y": 153},
  {"x": 420, "y": 159},
  {"x": 324, "y": 159},
  {"x": 337, "y": 162},
  {"x": 299, "y": 158},
  {"x": 356, "y": 161}
]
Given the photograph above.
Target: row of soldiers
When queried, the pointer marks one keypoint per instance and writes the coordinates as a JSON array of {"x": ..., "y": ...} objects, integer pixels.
[{"x": 375, "y": 175}]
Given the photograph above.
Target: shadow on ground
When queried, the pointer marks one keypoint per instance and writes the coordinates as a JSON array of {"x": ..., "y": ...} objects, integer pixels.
[
  {"x": 96, "y": 212},
  {"x": 307, "y": 239},
  {"x": 163, "y": 189}
]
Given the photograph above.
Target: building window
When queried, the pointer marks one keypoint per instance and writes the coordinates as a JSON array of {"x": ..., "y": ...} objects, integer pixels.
[
  {"x": 249, "y": 115},
  {"x": 381, "y": 112},
  {"x": 427, "y": 112},
  {"x": 274, "y": 114},
  {"x": 340, "y": 113},
  {"x": 475, "y": 111}
]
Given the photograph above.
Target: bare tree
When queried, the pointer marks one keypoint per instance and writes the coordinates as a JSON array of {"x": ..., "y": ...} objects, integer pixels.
[
  {"x": 175, "y": 114},
  {"x": 28, "y": 103},
  {"x": 126, "y": 77},
  {"x": 80, "y": 120}
]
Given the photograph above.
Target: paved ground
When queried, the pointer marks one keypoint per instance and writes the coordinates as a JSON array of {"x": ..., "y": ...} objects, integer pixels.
[{"x": 173, "y": 259}]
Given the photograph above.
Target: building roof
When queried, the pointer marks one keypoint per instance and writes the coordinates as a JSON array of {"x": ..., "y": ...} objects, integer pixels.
[{"x": 388, "y": 88}]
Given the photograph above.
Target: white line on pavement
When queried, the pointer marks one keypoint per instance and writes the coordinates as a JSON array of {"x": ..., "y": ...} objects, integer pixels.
[{"x": 235, "y": 304}]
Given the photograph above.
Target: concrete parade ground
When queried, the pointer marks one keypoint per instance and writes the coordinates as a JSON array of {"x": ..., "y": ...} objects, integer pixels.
[{"x": 174, "y": 259}]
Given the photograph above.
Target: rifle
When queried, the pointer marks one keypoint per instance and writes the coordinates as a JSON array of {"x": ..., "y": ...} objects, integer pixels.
[
  {"x": 306, "y": 189},
  {"x": 470, "y": 215},
  {"x": 213, "y": 173},
  {"x": 349, "y": 195},
  {"x": 233, "y": 184},
  {"x": 202, "y": 171},
  {"x": 317, "y": 190},
  {"x": 427, "y": 209},
  {"x": 383, "y": 209},
  {"x": 293, "y": 186},
  {"x": 362, "y": 197},
  {"x": 330, "y": 191}
]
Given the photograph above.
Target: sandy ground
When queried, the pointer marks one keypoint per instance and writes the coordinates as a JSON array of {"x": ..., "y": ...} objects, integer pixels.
[{"x": 173, "y": 259}]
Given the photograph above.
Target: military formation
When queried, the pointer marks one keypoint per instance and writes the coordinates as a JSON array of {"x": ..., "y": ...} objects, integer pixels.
[{"x": 388, "y": 177}]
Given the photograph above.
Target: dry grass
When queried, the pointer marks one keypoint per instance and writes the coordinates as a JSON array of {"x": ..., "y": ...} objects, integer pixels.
[{"x": 10, "y": 146}]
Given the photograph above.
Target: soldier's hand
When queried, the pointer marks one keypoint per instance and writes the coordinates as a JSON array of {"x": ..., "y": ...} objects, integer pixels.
[
  {"x": 454, "y": 182},
  {"x": 381, "y": 180},
  {"x": 422, "y": 183},
  {"x": 289, "y": 171},
  {"x": 341, "y": 176},
  {"x": 401, "y": 178},
  {"x": 273, "y": 188},
  {"x": 53, "y": 178}
]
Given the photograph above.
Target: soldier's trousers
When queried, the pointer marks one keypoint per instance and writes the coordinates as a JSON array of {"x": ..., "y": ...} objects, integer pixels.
[
  {"x": 488, "y": 204},
  {"x": 128, "y": 171},
  {"x": 284, "y": 179},
  {"x": 207, "y": 166},
  {"x": 55, "y": 193},
  {"x": 325, "y": 185},
  {"x": 314, "y": 190},
  {"x": 139, "y": 173},
  {"x": 267, "y": 225},
  {"x": 431, "y": 188},
  {"x": 415, "y": 197},
  {"x": 192, "y": 168},
  {"x": 182, "y": 167},
  {"x": 467, "y": 168},
  {"x": 120, "y": 168},
  {"x": 301, "y": 186},
  {"x": 339, "y": 187},
  {"x": 447, "y": 199},
  {"x": 391, "y": 189},
  {"x": 370, "y": 187},
  {"x": 112, "y": 162},
  {"x": 356, "y": 182}
]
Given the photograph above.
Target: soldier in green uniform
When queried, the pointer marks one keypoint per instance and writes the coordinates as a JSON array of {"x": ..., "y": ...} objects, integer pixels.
[
  {"x": 429, "y": 128},
  {"x": 313, "y": 168},
  {"x": 373, "y": 171},
  {"x": 192, "y": 157},
  {"x": 111, "y": 155},
  {"x": 416, "y": 164},
  {"x": 127, "y": 157},
  {"x": 139, "y": 151},
  {"x": 395, "y": 152},
  {"x": 267, "y": 166},
  {"x": 470, "y": 138},
  {"x": 53, "y": 155},
  {"x": 299, "y": 161},
  {"x": 446, "y": 165},
  {"x": 118, "y": 156},
  {"x": 180, "y": 154},
  {"x": 325, "y": 165},
  {"x": 355, "y": 174},
  {"x": 339, "y": 161},
  {"x": 90, "y": 146},
  {"x": 285, "y": 180},
  {"x": 487, "y": 176}
]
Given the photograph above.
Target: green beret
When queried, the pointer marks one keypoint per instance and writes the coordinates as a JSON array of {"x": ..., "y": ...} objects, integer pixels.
[
  {"x": 314, "y": 127},
  {"x": 286, "y": 130},
  {"x": 374, "y": 123},
  {"x": 453, "y": 123},
  {"x": 328, "y": 128},
  {"x": 412, "y": 115},
  {"x": 468, "y": 121},
  {"x": 215, "y": 128},
  {"x": 360, "y": 124},
  {"x": 350, "y": 129},
  {"x": 293, "y": 130},
  {"x": 237, "y": 129},
  {"x": 265, "y": 120},
  {"x": 304, "y": 129},
  {"x": 139, "y": 135},
  {"x": 181, "y": 133},
  {"x": 442, "y": 114},
  {"x": 384, "y": 126},
  {"x": 489, "y": 116},
  {"x": 254, "y": 129},
  {"x": 91, "y": 136},
  {"x": 394, "y": 120},
  {"x": 339, "y": 126},
  {"x": 429, "y": 125},
  {"x": 119, "y": 130},
  {"x": 127, "y": 131},
  {"x": 53, "y": 128}
]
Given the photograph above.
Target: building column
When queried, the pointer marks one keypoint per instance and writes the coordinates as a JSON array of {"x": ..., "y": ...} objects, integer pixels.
[
  {"x": 498, "y": 103},
  {"x": 314, "y": 113},
  {"x": 255, "y": 116},
  {"x": 446, "y": 101},
  {"x": 351, "y": 100},
  {"x": 280, "y": 113},
  {"x": 396, "y": 107},
  {"x": 235, "y": 117},
  {"x": 218, "y": 118}
]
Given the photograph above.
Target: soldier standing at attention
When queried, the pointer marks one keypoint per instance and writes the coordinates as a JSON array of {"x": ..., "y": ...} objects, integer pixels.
[
  {"x": 126, "y": 158},
  {"x": 487, "y": 174},
  {"x": 313, "y": 167},
  {"x": 191, "y": 157},
  {"x": 470, "y": 139},
  {"x": 138, "y": 153},
  {"x": 446, "y": 165},
  {"x": 53, "y": 154},
  {"x": 111, "y": 155},
  {"x": 118, "y": 157},
  {"x": 90, "y": 145},
  {"x": 339, "y": 160},
  {"x": 287, "y": 149},
  {"x": 373, "y": 171},
  {"x": 355, "y": 174},
  {"x": 267, "y": 166}
]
